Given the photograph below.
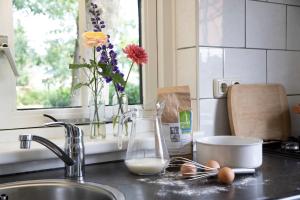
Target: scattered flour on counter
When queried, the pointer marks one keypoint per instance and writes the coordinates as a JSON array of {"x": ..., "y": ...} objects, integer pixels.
[
  {"x": 187, "y": 191},
  {"x": 245, "y": 181},
  {"x": 167, "y": 179},
  {"x": 169, "y": 185},
  {"x": 164, "y": 181}
]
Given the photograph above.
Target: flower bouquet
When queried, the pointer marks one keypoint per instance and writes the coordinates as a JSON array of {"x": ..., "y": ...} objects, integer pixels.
[{"x": 103, "y": 67}]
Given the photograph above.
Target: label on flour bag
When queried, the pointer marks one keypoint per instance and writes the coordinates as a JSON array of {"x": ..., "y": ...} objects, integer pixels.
[{"x": 178, "y": 136}]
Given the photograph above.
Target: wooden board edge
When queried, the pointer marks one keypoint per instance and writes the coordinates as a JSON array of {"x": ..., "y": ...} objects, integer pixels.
[{"x": 230, "y": 111}]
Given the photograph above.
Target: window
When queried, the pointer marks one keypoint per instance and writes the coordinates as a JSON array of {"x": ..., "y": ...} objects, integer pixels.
[
  {"x": 46, "y": 41},
  {"x": 76, "y": 107}
]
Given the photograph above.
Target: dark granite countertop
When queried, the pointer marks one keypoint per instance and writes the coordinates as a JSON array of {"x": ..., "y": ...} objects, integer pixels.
[{"x": 278, "y": 177}]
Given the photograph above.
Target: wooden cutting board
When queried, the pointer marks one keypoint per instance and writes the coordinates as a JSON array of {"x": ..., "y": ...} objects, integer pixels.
[{"x": 259, "y": 111}]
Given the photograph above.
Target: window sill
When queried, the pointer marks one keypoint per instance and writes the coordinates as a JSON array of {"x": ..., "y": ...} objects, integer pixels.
[{"x": 11, "y": 153}]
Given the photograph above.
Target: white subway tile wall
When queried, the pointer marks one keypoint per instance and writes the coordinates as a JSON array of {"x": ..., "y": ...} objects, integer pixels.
[
  {"x": 293, "y": 27},
  {"x": 264, "y": 50},
  {"x": 265, "y": 25},
  {"x": 293, "y": 2},
  {"x": 277, "y": 1},
  {"x": 195, "y": 114},
  {"x": 222, "y": 23},
  {"x": 284, "y": 68},
  {"x": 210, "y": 67},
  {"x": 246, "y": 65},
  {"x": 214, "y": 117},
  {"x": 287, "y": 2}
]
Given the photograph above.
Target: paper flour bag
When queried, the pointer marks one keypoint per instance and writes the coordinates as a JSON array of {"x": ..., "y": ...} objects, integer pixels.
[{"x": 177, "y": 120}]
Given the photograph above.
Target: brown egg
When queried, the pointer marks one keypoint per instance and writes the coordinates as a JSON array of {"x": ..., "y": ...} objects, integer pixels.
[
  {"x": 213, "y": 164},
  {"x": 226, "y": 175},
  {"x": 188, "y": 169}
]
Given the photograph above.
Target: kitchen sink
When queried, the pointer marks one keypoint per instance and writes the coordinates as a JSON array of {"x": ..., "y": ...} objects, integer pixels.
[{"x": 59, "y": 190}]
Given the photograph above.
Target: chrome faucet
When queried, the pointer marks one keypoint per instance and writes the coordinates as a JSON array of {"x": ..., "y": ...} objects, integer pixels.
[{"x": 73, "y": 156}]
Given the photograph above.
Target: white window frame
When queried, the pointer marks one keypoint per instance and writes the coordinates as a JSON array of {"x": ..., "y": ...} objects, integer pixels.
[{"x": 11, "y": 118}]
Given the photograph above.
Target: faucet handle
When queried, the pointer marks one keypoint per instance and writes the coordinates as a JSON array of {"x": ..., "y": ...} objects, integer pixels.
[{"x": 71, "y": 129}]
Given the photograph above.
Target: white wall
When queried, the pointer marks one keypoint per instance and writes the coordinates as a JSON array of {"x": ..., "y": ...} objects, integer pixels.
[
  {"x": 253, "y": 41},
  {"x": 7, "y": 86}
]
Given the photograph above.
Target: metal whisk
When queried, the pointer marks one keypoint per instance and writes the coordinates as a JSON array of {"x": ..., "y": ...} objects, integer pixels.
[{"x": 202, "y": 170}]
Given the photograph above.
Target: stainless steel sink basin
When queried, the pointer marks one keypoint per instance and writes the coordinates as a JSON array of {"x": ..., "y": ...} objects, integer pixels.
[{"x": 58, "y": 190}]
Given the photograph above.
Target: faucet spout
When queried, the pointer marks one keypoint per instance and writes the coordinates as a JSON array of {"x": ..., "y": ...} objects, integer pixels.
[{"x": 25, "y": 143}]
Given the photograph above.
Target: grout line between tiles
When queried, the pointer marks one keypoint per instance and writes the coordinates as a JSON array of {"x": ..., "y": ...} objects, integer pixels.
[
  {"x": 245, "y": 24},
  {"x": 223, "y": 63},
  {"x": 222, "y": 47},
  {"x": 211, "y": 98},
  {"x": 292, "y": 95},
  {"x": 276, "y": 3},
  {"x": 266, "y": 66},
  {"x": 286, "y": 21},
  {"x": 183, "y": 48}
]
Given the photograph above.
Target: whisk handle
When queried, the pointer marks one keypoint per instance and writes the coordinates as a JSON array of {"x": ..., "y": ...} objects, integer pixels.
[{"x": 243, "y": 171}]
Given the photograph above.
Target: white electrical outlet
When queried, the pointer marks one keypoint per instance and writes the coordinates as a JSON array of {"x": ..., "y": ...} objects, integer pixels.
[{"x": 221, "y": 86}]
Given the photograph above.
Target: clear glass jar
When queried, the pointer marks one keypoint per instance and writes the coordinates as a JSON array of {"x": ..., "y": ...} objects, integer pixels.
[{"x": 147, "y": 152}]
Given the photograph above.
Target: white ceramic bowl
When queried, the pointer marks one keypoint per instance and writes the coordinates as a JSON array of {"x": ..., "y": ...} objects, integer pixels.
[{"x": 230, "y": 151}]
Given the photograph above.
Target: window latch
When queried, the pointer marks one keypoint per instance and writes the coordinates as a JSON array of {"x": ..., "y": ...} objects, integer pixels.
[{"x": 5, "y": 48}]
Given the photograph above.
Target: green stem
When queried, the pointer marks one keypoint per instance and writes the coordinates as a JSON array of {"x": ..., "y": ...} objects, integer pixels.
[
  {"x": 119, "y": 100},
  {"x": 96, "y": 114},
  {"x": 118, "y": 95},
  {"x": 128, "y": 74}
]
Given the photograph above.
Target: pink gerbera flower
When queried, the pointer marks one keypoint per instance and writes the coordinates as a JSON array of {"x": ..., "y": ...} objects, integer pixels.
[{"x": 136, "y": 53}]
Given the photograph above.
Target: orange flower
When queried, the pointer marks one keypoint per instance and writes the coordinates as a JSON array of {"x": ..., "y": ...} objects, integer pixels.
[
  {"x": 136, "y": 53},
  {"x": 94, "y": 39}
]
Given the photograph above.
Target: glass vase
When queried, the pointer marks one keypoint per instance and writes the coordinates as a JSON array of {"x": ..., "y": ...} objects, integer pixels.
[
  {"x": 119, "y": 107},
  {"x": 97, "y": 116}
]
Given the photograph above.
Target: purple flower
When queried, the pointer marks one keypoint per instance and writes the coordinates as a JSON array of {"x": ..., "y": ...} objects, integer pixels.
[
  {"x": 115, "y": 68},
  {"x": 103, "y": 59},
  {"x": 110, "y": 46},
  {"x": 98, "y": 49},
  {"x": 108, "y": 79},
  {"x": 120, "y": 88},
  {"x": 95, "y": 19},
  {"x": 113, "y": 62},
  {"x": 112, "y": 54},
  {"x": 107, "y": 55}
]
